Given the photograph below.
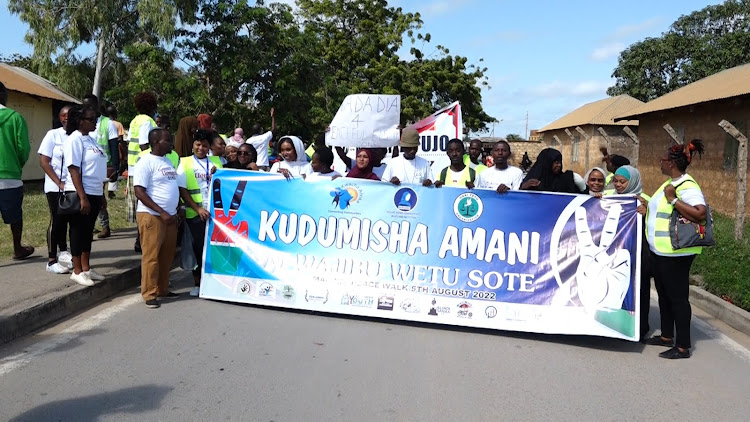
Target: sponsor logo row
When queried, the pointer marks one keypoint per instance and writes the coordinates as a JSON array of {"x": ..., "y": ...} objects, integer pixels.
[{"x": 384, "y": 302}]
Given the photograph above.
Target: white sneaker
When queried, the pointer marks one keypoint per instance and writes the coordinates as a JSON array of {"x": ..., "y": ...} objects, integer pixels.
[
  {"x": 195, "y": 292},
  {"x": 57, "y": 268},
  {"x": 65, "y": 259},
  {"x": 94, "y": 275},
  {"x": 82, "y": 278}
]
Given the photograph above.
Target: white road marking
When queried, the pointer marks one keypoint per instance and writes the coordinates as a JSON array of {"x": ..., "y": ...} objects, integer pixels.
[{"x": 11, "y": 363}]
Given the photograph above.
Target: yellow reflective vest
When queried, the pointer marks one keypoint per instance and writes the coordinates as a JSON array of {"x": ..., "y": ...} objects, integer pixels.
[
  {"x": 661, "y": 239},
  {"x": 191, "y": 181},
  {"x": 134, "y": 147}
]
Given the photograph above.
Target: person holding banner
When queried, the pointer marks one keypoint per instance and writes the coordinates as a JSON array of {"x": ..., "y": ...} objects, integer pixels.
[
  {"x": 246, "y": 158},
  {"x": 501, "y": 177},
  {"x": 294, "y": 163},
  {"x": 156, "y": 188},
  {"x": 321, "y": 162},
  {"x": 671, "y": 267},
  {"x": 595, "y": 181},
  {"x": 378, "y": 154},
  {"x": 218, "y": 148},
  {"x": 458, "y": 174},
  {"x": 407, "y": 167},
  {"x": 547, "y": 175},
  {"x": 472, "y": 158},
  {"x": 194, "y": 181},
  {"x": 363, "y": 168}
]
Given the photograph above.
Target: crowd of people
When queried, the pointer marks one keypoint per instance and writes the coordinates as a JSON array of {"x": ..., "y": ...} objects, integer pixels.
[{"x": 168, "y": 183}]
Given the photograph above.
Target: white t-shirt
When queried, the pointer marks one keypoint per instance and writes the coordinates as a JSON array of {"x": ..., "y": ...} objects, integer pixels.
[
  {"x": 159, "y": 178},
  {"x": 260, "y": 142},
  {"x": 296, "y": 168},
  {"x": 691, "y": 195},
  {"x": 492, "y": 177},
  {"x": 143, "y": 132},
  {"x": 321, "y": 176},
  {"x": 408, "y": 171},
  {"x": 202, "y": 168},
  {"x": 83, "y": 152},
  {"x": 52, "y": 147},
  {"x": 379, "y": 170}
]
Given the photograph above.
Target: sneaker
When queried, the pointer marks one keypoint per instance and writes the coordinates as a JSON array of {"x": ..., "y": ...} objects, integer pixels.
[
  {"x": 153, "y": 303},
  {"x": 66, "y": 259},
  {"x": 94, "y": 275},
  {"x": 82, "y": 278},
  {"x": 196, "y": 291},
  {"x": 675, "y": 353},
  {"x": 57, "y": 268}
]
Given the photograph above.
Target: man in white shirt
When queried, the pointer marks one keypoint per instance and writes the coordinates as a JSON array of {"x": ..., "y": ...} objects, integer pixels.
[
  {"x": 260, "y": 141},
  {"x": 407, "y": 167},
  {"x": 500, "y": 177},
  {"x": 156, "y": 188}
]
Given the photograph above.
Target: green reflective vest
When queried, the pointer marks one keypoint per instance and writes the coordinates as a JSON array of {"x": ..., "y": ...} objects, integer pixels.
[
  {"x": 661, "y": 239},
  {"x": 478, "y": 168},
  {"x": 191, "y": 181},
  {"x": 134, "y": 148},
  {"x": 173, "y": 157},
  {"x": 102, "y": 136}
]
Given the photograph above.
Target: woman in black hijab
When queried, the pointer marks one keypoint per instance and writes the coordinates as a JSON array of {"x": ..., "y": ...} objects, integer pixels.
[{"x": 547, "y": 174}]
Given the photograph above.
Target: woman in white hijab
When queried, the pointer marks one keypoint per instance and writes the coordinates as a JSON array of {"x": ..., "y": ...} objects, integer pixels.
[
  {"x": 595, "y": 181},
  {"x": 294, "y": 161}
]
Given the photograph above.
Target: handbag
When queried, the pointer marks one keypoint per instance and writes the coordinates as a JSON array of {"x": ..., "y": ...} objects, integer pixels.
[
  {"x": 686, "y": 234},
  {"x": 68, "y": 203}
]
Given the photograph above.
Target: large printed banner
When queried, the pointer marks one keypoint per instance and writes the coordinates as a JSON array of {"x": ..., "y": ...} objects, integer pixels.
[
  {"x": 436, "y": 130},
  {"x": 522, "y": 261}
]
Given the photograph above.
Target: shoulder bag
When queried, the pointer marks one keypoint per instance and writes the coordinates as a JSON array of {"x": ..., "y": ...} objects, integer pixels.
[{"x": 686, "y": 234}]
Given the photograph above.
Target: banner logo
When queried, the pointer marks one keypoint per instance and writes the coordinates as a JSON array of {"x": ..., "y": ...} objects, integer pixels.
[
  {"x": 385, "y": 303},
  {"x": 468, "y": 207},
  {"x": 405, "y": 199}
]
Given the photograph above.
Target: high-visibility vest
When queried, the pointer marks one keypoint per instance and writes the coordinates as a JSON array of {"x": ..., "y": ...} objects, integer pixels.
[
  {"x": 478, "y": 168},
  {"x": 172, "y": 156},
  {"x": 661, "y": 239},
  {"x": 466, "y": 176},
  {"x": 102, "y": 137},
  {"x": 134, "y": 148},
  {"x": 191, "y": 181}
]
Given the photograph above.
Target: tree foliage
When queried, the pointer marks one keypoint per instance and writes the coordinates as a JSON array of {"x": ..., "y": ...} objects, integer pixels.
[
  {"x": 513, "y": 137},
  {"x": 241, "y": 58},
  {"x": 695, "y": 46}
]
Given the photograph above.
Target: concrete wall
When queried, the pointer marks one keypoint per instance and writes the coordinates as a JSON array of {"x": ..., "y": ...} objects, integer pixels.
[
  {"x": 719, "y": 185},
  {"x": 619, "y": 143},
  {"x": 38, "y": 115}
]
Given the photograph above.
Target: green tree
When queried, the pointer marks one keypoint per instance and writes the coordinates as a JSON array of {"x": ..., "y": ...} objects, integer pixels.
[
  {"x": 513, "y": 137},
  {"x": 697, "y": 45},
  {"x": 58, "y": 27}
]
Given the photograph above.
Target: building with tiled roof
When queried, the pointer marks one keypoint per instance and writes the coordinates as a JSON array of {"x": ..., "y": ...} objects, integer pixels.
[{"x": 579, "y": 155}]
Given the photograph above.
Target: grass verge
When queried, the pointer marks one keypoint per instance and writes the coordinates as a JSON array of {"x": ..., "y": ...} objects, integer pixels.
[
  {"x": 36, "y": 219},
  {"x": 725, "y": 267}
]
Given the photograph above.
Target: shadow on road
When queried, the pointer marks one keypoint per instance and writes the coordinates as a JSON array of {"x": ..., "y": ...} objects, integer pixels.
[{"x": 127, "y": 401}]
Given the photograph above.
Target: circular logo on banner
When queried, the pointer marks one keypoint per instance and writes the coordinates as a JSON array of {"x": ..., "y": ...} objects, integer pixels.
[
  {"x": 468, "y": 207},
  {"x": 405, "y": 199}
]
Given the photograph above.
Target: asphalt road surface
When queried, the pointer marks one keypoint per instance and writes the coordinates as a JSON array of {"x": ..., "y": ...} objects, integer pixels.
[{"x": 199, "y": 360}]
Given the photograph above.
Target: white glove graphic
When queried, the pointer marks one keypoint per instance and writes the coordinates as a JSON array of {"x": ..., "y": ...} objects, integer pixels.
[{"x": 602, "y": 279}]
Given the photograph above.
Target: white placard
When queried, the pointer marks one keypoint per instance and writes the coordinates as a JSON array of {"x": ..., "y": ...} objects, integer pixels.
[{"x": 367, "y": 121}]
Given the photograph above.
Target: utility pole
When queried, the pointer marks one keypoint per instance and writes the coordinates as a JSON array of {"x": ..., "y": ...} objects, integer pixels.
[{"x": 527, "y": 125}]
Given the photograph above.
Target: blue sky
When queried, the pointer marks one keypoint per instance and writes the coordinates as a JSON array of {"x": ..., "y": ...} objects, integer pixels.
[{"x": 543, "y": 56}]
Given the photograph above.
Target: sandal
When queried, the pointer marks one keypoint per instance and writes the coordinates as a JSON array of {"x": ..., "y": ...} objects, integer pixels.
[
  {"x": 658, "y": 341},
  {"x": 27, "y": 251}
]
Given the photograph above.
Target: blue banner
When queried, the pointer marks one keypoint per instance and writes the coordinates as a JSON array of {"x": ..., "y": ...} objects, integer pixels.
[{"x": 521, "y": 261}]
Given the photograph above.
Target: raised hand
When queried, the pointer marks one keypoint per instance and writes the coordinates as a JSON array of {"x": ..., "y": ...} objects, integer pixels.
[{"x": 603, "y": 279}]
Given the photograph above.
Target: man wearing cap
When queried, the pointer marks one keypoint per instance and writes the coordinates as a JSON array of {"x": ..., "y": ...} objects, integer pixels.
[{"x": 407, "y": 167}]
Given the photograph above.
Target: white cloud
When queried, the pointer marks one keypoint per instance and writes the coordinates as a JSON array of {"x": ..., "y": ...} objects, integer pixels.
[
  {"x": 633, "y": 30},
  {"x": 607, "y": 51}
]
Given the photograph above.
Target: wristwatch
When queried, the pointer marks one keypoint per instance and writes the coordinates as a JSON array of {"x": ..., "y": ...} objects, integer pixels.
[{"x": 674, "y": 201}]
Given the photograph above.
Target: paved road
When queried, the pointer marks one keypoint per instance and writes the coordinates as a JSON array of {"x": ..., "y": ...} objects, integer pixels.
[{"x": 197, "y": 360}]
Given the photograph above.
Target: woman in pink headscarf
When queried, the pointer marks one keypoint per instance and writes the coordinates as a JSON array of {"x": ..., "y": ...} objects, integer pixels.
[{"x": 239, "y": 135}]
